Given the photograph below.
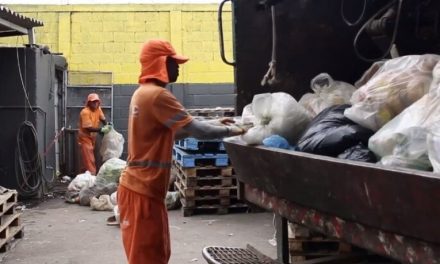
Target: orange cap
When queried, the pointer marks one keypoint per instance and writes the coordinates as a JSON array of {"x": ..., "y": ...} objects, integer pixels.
[{"x": 153, "y": 60}]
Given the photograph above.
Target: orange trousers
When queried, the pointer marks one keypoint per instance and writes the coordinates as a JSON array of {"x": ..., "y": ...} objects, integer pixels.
[
  {"x": 144, "y": 227},
  {"x": 88, "y": 157}
]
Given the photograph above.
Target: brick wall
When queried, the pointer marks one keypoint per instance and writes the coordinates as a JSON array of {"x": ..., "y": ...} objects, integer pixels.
[
  {"x": 108, "y": 37},
  {"x": 190, "y": 95}
]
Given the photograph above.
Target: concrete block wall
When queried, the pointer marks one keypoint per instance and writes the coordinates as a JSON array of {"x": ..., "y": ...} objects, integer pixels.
[
  {"x": 204, "y": 95},
  {"x": 190, "y": 95}
]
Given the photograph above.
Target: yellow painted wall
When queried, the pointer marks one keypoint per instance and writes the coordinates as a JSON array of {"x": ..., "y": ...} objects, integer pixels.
[{"x": 108, "y": 37}]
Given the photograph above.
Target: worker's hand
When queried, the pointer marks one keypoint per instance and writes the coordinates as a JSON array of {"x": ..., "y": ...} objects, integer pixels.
[
  {"x": 105, "y": 129},
  {"x": 236, "y": 130},
  {"x": 221, "y": 122},
  {"x": 226, "y": 121}
]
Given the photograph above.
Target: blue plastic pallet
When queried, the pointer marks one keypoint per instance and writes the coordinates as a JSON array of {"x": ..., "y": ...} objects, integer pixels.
[
  {"x": 189, "y": 160},
  {"x": 195, "y": 144}
]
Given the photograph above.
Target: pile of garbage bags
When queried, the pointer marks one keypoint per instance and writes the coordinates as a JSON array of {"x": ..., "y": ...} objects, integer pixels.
[
  {"x": 90, "y": 190},
  {"x": 390, "y": 116},
  {"x": 100, "y": 191}
]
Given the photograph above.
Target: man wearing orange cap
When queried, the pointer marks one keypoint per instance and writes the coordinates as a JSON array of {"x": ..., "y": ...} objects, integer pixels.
[
  {"x": 89, "y": 120},
  {"x": 156, "y": 119}
]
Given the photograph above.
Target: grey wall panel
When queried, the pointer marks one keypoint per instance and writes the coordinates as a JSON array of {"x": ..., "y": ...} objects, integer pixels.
[{"x": 37, "y": 77}]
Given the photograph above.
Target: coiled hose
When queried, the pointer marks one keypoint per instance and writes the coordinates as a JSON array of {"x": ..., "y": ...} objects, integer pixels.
[{"x": 28, "y": 168}]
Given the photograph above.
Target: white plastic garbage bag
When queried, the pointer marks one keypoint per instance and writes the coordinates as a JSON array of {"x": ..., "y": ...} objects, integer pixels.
[
  {"x": 112, "y": 145},
  {"x": 85, "y": 180},
  {"x": 404, "y": 141},
  {"x": 114, "y": 198},
  {"x": 327, "y": 92},
  {"x": 368, "y": 74},
  {"x": 433, "y": 142},
  {"x": 102, "y": 203},
  {"x": 276, "y": 114},
  {"x": 248, "y": 117},
  {"x": 396, "y": 85},
  {"x": 410, "y": 150}
]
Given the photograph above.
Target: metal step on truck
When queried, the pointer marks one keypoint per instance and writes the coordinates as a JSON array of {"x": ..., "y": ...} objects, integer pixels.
[{"x": 393, "y": 212}]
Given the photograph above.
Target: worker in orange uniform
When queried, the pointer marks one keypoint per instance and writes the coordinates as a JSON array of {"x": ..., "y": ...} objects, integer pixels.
[
  {"x": 156, "y": 119},
  {"x": 89, "y": 120}
]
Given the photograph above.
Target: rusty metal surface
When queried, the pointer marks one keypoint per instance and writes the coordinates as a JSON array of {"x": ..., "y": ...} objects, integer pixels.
[
  {"x": 401, "y": 248},
  {"x": 404, "y": 202}
]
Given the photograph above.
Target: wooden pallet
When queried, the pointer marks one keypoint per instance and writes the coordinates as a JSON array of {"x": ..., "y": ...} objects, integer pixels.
[
  {"x": 208, "y": 181},
  {"x": 10, "y": 222},
  {"x": 210, "y": 200},
  {"x": 193, "y": 182},
  {"x": 309, "y": 249},
  {"x": 213, "y": 209},
  {"x": 305, "y": 244},
  {"x": 203, "y": 171},
  {"x": 8, "y": 200},
  {"x": 217, "y": 191},
  {"x": 193, "y": 144}
]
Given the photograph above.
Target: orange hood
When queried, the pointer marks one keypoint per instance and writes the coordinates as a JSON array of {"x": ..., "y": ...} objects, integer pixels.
[
  {"x": 153, "y": 60},
  {"x": 93, "y": 97}
]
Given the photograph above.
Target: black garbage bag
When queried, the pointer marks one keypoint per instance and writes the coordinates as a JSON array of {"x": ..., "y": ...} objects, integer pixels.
[
  {"x": 330, "y": 133},
  {"x": 360, "y": 152}
]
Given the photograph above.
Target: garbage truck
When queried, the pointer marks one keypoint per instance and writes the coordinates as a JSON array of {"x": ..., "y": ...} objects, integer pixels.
[{"x": 279, "y": 46}]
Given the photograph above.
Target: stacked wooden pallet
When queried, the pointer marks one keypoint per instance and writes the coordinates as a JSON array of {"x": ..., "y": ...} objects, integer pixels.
[
  {"x": 305, "y": 244},
  {"x": 204, "y": 176},
  {"x": 11, "y": 227}
]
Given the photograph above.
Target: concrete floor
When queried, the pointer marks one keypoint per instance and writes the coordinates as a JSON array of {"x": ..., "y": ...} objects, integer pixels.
[{"x": 56, "y": 232}]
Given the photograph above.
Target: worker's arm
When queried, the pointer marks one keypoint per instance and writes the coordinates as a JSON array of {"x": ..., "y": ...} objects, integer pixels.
[
  {"x": 172, "y": 114},
  {"x": 181, "y": 133},
  {"x": 205, "y": 130}
]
